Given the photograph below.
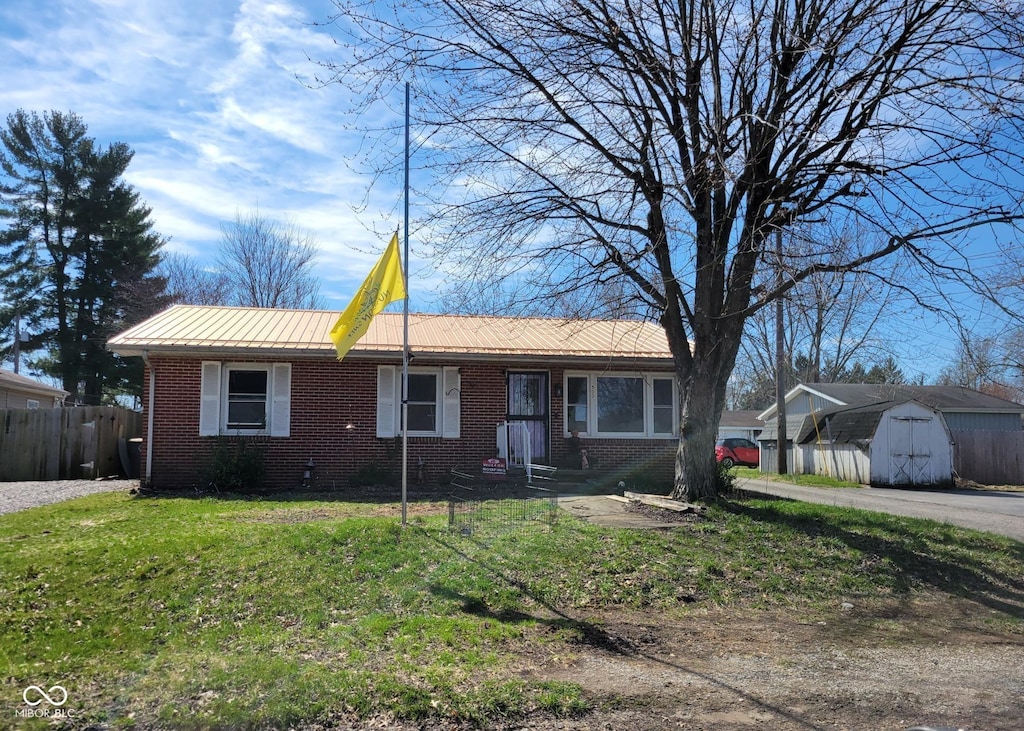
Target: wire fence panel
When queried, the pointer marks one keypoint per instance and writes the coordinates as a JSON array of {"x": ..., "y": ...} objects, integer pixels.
[{"x": 482, "y": 516}]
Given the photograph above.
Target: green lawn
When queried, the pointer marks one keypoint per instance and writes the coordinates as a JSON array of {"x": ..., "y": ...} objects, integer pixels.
[
  {"x": 811, "y": 480},
  {"x": 212, "y": 613}
]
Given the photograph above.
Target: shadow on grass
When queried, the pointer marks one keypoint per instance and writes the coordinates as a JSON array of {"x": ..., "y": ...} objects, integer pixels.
[
  {"x": 924, "y": 556},
  {"x": 590, "y": 634}
]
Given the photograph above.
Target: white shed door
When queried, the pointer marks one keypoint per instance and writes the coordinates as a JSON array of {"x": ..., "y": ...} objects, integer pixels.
[{"x": 910, "y": 450}]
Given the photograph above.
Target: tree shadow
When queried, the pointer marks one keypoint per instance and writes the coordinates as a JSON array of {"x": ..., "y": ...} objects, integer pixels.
[
  {"x": 930, "y": 558},
  {"x": 589, "y": 633}
]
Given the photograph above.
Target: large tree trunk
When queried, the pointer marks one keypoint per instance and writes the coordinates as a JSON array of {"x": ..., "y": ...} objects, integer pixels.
[
  {"x": 702, "y": 388},
  {"x": 696, "y": 470}
]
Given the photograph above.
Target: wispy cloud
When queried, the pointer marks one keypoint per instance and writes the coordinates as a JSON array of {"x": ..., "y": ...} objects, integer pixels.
[{"x": 215, "y": 100}]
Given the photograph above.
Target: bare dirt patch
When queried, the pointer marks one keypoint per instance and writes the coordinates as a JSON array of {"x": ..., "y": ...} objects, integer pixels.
[
  {"x": 292, "y": 515},
  {"x": 874, "y": 666}
]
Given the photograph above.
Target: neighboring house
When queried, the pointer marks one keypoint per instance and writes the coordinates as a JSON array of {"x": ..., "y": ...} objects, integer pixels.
[
  {"x": 743, "y": 424},
  {"x": 20, "y": 392},
  {"x": 827, "y": 423},
  {"x": 273, "y": 375}
]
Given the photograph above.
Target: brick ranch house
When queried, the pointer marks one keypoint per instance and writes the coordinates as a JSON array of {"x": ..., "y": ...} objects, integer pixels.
[{"x": 273, "y": 375}]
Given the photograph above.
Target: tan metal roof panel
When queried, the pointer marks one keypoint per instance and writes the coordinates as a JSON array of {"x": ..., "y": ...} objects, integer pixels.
[{"x": 199, "y": 328}]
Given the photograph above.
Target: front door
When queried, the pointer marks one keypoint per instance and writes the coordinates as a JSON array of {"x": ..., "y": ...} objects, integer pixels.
[{"x": 528, "y": 403}]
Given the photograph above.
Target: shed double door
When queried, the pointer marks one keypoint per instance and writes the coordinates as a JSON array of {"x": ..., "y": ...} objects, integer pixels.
[
  {"x": 529, "y": 403},
  {"x": 910, "y": 451}
]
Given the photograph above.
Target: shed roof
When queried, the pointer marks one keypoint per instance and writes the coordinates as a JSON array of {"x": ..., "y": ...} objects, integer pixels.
[
  {"x": 192, "y": 329},
  {"x": 741, "y": 419},
  {"x": 839, "y": 425},
  {"x": 944, "y": 398},
  {"x": 18, "y": 382},
  {"x": 844, "y": 424}
]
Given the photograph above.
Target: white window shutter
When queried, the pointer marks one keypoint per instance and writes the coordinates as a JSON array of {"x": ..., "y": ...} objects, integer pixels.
[
  {"x": 281, "y": 400},
  {"x": 209, "y": 399},
  {"x": 452, "y": 409},
  {"x": 386, "y": 401}
]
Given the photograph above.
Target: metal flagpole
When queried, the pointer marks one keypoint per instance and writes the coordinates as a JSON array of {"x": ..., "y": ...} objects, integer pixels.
[{"x": 405, "y": 326}]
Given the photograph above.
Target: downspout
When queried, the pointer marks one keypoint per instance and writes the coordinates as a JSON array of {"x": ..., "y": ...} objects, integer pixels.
[{"x": 149, "y": 418}]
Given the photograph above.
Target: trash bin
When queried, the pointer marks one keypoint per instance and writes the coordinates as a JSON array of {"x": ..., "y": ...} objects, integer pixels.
[{"x": 135, "y": 457}]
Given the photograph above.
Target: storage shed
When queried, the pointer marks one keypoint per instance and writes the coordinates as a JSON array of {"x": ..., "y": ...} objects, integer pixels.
[
  {"x": 987, "y": 431},
  {"x": 889, "y": 444}
]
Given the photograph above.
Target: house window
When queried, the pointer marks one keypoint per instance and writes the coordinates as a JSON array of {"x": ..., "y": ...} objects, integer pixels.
[
  {"x": 423, "y": 402},
  {"x": 434, "y": 402},
  {"x": 620, "y": 405},
  {"x": 31, "y": 403},
  {"x": 576, "y": 397},
  {"x": 245, "y": 398},
  {"x": 663, "y": 404}
]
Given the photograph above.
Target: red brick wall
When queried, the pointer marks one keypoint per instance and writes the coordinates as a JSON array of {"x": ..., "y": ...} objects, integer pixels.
[{"x": 327, "y": 396}]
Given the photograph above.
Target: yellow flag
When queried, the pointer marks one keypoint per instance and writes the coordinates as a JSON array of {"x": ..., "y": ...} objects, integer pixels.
[{"x": 384, "y": 284}]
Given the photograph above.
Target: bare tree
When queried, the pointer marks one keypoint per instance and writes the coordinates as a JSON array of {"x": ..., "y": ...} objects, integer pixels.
[
  {"x": 835, "y": 323},
  {"x": 189, "y": 283},
  {"x": 269, "y": 263},
  {"x": 665, "y": 144},
  {"x": 987, "y": 364}
]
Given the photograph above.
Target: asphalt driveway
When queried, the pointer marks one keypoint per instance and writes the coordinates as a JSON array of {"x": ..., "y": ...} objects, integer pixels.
[{"x": 995, "y": 512}]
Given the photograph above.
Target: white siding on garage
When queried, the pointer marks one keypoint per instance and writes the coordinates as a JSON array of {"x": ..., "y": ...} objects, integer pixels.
[{"x": 846, "y": 462}]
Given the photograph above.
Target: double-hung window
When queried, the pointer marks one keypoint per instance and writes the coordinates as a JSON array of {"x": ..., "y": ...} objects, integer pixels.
[
  {"x": 434, "y": 401},
  {"x": 620, "y": 405},
  {"x": 424, "y": 402},
  {"x": 248, "y": 403},
  {"x": 245, "y": 399}
]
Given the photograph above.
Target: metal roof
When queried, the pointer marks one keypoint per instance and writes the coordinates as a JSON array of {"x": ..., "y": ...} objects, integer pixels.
[
  {"x": 196, "y": 329},
  {"x": 944, "y": 398}
]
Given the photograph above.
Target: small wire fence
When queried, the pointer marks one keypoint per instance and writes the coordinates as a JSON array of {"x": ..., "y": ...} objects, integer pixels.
[{"x": 485, "y": 509}]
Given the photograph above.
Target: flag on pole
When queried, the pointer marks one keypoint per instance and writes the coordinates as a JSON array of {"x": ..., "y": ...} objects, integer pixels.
[{"x": 383, "y": 285}]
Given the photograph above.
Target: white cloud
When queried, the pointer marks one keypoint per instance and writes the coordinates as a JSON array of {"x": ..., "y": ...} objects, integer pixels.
[{"x": 212, "y": 96}]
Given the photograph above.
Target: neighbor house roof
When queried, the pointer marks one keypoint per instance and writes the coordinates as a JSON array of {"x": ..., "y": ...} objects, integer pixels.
[
  {"x": 16, "y": 382},
  {"x": 190, "y": 329},
  {"x": 943, "y": 398},
  {"x": 741, "y": 419}
]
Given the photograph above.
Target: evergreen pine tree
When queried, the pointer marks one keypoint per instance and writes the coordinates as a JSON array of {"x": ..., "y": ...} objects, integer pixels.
[{"x": 78, "y": 253}]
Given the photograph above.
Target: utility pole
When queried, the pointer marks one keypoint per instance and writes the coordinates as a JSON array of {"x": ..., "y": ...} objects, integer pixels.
[
  {"x": 780, "y": 367},
  {"x": 16, "y": 351}
]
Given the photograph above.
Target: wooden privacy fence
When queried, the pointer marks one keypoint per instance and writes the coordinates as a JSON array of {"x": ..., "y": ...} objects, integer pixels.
[
  {"x": 991, "y": 458},
  {"x": 82, "y": 442}
]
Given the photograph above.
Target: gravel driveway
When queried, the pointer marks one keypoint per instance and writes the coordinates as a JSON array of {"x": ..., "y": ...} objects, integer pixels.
[{"x": 15, "y": 496}]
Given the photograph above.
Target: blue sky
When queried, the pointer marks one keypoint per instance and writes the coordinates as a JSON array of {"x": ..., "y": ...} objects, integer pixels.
[{"x": 215, "y": 98}]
